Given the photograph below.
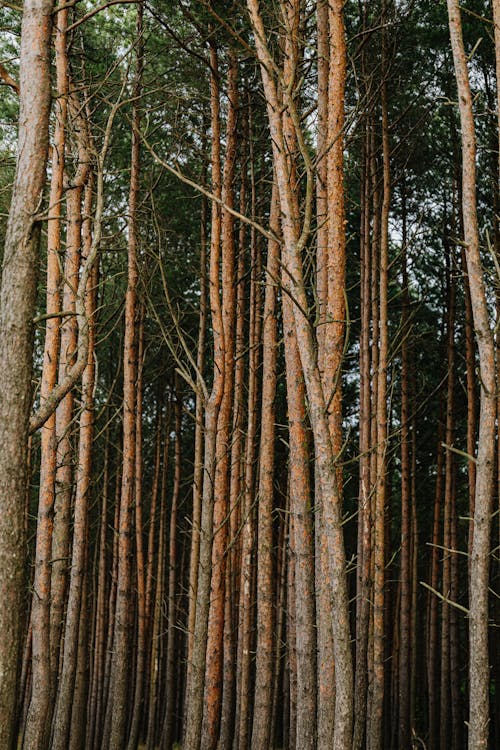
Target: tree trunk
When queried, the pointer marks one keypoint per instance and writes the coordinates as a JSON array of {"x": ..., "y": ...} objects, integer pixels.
[
  {"x": 265, "y": 493},
  {"x": 214, "y": 658},
  {"x": 294, "y": 240},
  {"x": 76, "y": 602},
  {"x": 196, "y": 684},
  {"x": 478, "y": 602},
  {"x": 167, "y": 736},
  {"x": 17, "y": 306},
  {"x": 121, "y": 643}
]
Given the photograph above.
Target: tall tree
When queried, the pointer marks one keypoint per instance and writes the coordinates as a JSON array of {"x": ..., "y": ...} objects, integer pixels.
[
  {"x": 119, "y": 706},
  {"x": 17, "y": 306},
  {"x": 479, "y": 567}
]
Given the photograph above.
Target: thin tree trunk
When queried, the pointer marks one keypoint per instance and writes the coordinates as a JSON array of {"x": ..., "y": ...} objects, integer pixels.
[
  {"x": 432, "y": 608},
  {"x": 139, "y": 546},
  {"x": 470, "y": 361},
  {"x": 100, "y": 589},
  {"x": 236, "y": 480},
  {"x": 444, "y": 714},
  {"x": 364, "y": 502},
  {"x": 61, "y": 542},
  {"x": 478, "y": 601},
  {"x": 155, "y": 665},
  {"x": 52, "y": 545},
  {"x": 325, "y": 660},
  {"x": 154, "y": 540},
  {"x": 405, "y": 607},
  {"x": 214, "y": 657},
  {"x": 121, "y": 644},
  {"x": 294, "y": 240},
  {"x": 167, "y": 737},
  {"x": 48, "y": 460},
  {"x": 108, "y": 683},
  {"x": 195, "y": 687},
  {"x": 244, "y": 725},
  {"x": 261, "y": 736},
  {"x": 78, "y": 730},
  {"x": 376, "y": 729},
  {"x": 62, "y": 716},
  {"x": 48, "y": 456},
  {"x": 198, "y": 437}
]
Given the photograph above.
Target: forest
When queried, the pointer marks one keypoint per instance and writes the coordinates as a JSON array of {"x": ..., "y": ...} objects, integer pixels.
[{"x": 249, "y": 368}]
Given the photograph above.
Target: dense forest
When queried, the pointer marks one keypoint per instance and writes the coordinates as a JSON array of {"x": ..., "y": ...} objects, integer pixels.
[{"x": 249, "y": 366}]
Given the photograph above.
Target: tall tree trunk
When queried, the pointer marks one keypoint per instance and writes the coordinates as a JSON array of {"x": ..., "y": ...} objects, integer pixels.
[
  {"x": 236, "y": 480},
  {"x": 17, "y": 306},
  {"x": 48, "y": 457},
  {"x": 61, "y": 543},
  {"x": 48, "y": 461},
  {"x": 325, "y": 660},
  {"x": 196, "y": 683},
  {"x": 214, "y": 658},
  {"x": 121, "y": 643},
  {"x": 167, "y": 737},
  {"x": 100, "y": 589},
  {"x": 432, "y": 609},
  {"x": 405, "y": 607},
  {"x": 155, "y": 659},
  {"x": 52, "y": 545},
  {"x": 294, "y": 239},
  {"x": 364, "y": 501},
  {"x": 375, "y": 729},
  {"x": 139, "y": 546},
  {"x": 261, "y": 736},
  {"x": 246, "y": 608},
  {"x": 198, "y": 438},
  {"x": 478, "y": 600},
  {"x": 76, "y": 603},
  {"x": 303, "y": 688},
  {"x": 449, "y": 500}
]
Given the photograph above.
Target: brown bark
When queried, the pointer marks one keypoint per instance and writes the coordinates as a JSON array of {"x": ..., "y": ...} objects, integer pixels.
[
  {"x": 198, "y": 438},
  {"x": 479, "y": 568},
  {"x": 156, "y": 625},
  {"x": 294, "y": 240},
  {"x": 48, "y": 458},
  {"x": 214, "y": 659},
  {"x": 139, "y": 548},
  {"x": 78, "y": 730},
  {"x": 100, "y": 590},
  {"x": 325, "y": 661},
  {"x": 432, "y": 608},
  {"x": 405, "y": 577},
  {"x": 290, "y": 715},
  {"x": 470, "y": 362},
  {"x": 449, "y": 500},
  {"x": 64, "y": 490},
  {"x": 40, "y": 643},
  {"x": 377, "y": 704},
  {"x": 236, "y": 480},
  {"x": 364, "y": 502},
  {"x": 265, "y": 495},
  {"x": 167, "y": 737},
  {"x": 121, "y": 643},
  {"x": 53, "y": 522},
  {"x": 243, "y": 724},
  {"x": 195, "y": 686},
  {"x": 76, "y": 607},
  {"x": 106, "y": 723}
]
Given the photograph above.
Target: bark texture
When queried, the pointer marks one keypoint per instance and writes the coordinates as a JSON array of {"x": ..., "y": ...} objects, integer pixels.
[{"x": 17, "y": 307}]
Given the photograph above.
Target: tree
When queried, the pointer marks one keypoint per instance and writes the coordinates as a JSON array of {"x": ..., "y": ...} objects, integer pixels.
[
  {"x": 479, "y": 567},
  {"x": 17, "y": 307}
]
